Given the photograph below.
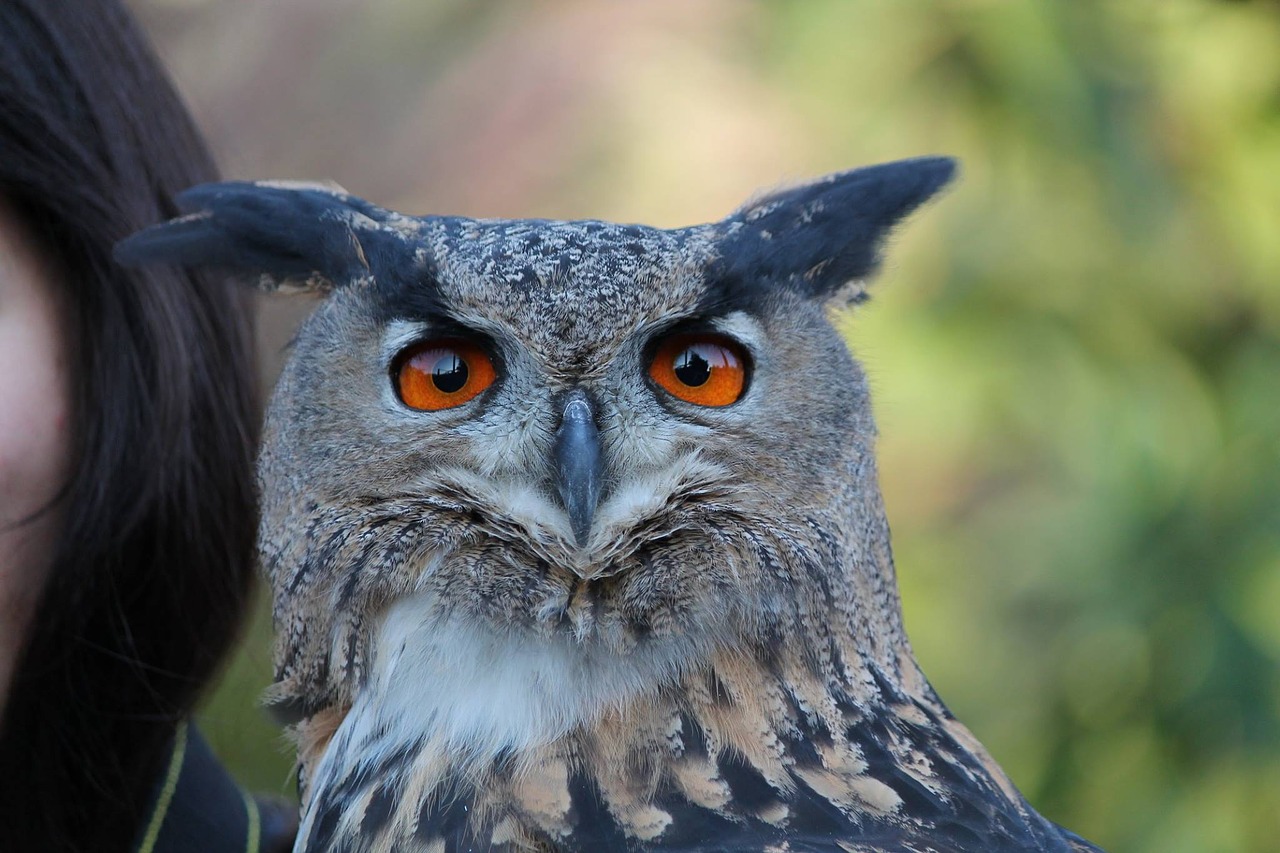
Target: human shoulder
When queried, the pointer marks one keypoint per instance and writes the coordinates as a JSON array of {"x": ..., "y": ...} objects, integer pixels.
[{"x": 199, "y": 808}]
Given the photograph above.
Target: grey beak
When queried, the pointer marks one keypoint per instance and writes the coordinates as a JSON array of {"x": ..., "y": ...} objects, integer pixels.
[{"x": 579, "y": 466}]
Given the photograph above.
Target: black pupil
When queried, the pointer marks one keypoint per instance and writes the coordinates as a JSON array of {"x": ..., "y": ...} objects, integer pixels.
[
  {"x": 450, "y": 373},
  {"x": 692, "y": 369}
]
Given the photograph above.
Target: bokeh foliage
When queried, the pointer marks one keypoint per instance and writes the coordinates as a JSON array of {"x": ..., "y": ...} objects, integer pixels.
[{"x": 1075, "y": 355}]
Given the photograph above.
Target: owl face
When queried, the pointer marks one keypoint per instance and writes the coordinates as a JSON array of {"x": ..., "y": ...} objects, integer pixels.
[
  {"x": 447, "y": 399},
  {"x": 633, "y": 444}
]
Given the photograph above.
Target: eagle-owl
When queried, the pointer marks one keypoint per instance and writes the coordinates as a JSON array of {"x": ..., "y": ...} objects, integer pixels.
[{"x": 575, "y": 536}]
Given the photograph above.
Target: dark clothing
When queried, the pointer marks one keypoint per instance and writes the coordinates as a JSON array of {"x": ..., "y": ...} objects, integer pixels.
[{"x": 200, "y": 809}]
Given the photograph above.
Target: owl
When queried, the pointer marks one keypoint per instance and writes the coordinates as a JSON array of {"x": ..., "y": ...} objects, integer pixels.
[{"x": 575, "y": 538}]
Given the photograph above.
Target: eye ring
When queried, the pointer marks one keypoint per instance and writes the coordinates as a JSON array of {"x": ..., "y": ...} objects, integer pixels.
[
  {"x": 702, "y": 368},
  {"x": 433, "y": 375}
]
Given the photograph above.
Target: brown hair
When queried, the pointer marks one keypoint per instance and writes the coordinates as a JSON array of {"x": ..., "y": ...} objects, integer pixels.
[{"x": 154, "y": 569}]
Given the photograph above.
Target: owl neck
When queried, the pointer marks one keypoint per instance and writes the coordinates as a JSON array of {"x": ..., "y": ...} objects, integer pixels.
[
  {"x": 480, "y": 691},
  {"x": 484, "y": 739}
]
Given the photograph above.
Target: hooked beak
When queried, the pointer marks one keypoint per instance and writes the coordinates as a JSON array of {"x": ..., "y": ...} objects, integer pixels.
[{"x": 578, "y": 463}]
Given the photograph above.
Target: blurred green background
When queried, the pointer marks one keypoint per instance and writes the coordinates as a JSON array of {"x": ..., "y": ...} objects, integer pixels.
[{"x": 1075, "y": 354}]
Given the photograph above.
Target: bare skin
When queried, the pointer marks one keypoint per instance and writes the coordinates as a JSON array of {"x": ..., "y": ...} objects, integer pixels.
[{"x": 35, "y": 430}]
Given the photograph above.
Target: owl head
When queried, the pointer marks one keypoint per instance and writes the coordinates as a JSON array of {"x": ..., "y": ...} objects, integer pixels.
[{"x": 631, "y": 445}]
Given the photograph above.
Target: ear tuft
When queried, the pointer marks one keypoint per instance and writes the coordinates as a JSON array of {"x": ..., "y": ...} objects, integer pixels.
[
  {"x": 294, "y": 235},
  {"x": 825, "y": 237}
]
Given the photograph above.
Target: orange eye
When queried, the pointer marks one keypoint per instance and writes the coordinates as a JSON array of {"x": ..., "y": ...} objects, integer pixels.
[
  {"x": 437, "y": 375},
  {"x": 700, "y": 368}
]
